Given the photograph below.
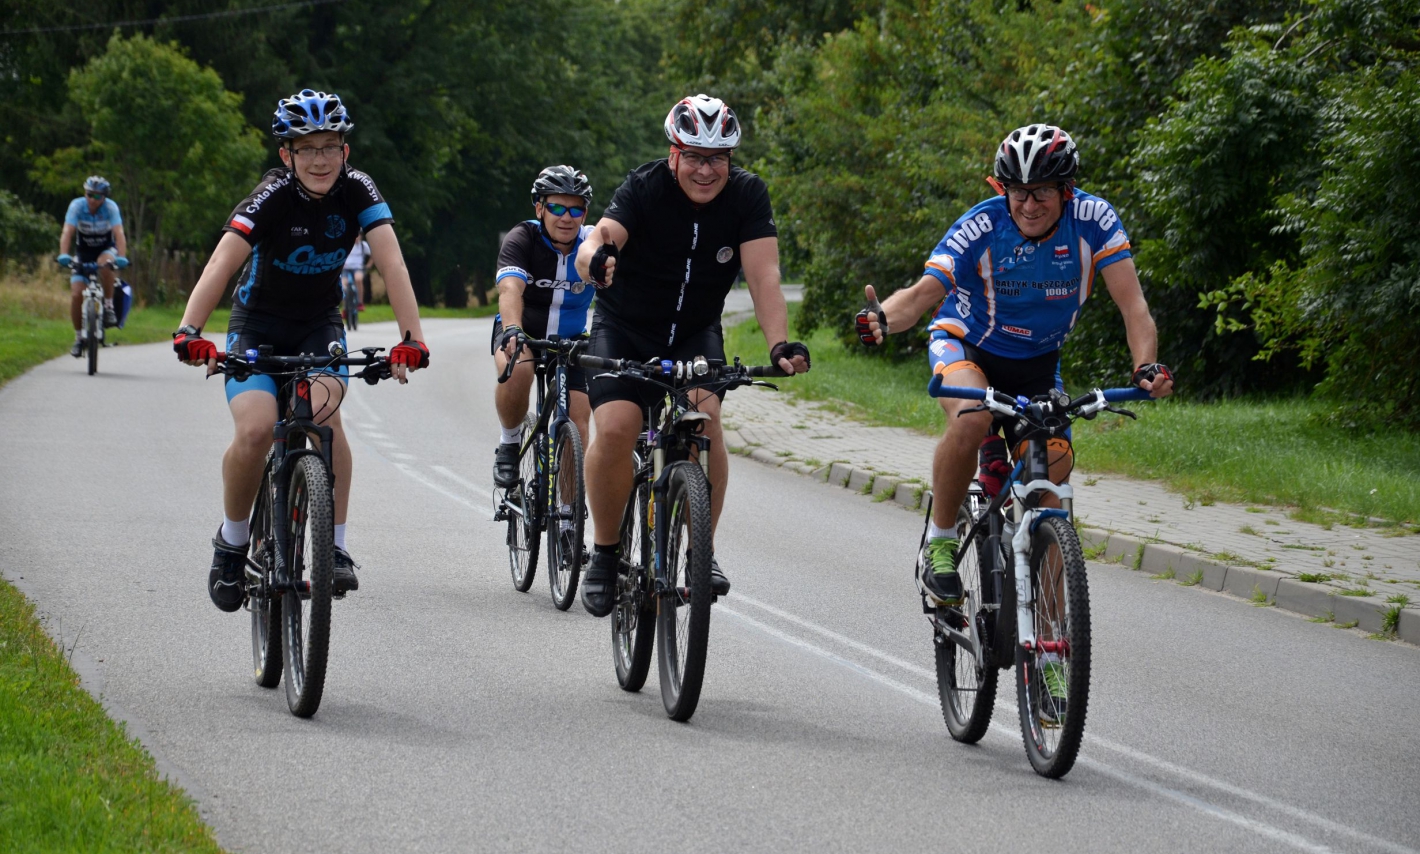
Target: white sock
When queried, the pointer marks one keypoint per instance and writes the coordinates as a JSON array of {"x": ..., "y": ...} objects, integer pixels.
[
  {"x": 235, "y": 533},
  {"x": 512, "y": 435},
  {"x": 108, "y": 303},
  {"x": 933, "y": 532},
  {"x": 78, "y": 335},
  {"x": 340, "y": 536}
]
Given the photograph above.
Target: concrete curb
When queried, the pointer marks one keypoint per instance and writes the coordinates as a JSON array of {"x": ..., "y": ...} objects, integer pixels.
[{"x": 1261, "y": 586}]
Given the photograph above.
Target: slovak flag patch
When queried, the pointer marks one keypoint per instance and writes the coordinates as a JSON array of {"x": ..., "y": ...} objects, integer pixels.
[
  {"x": 1062, "y": 252},
  {"x": 244, "y": 225}
]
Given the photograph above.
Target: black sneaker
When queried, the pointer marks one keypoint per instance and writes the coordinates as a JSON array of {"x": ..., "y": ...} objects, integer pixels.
[
  {"x": 344, "y": 575},
  {"x": 110, "y": 317},
  {"x": 719, "y": 584},
  {"x": 599, "y": 584},
  {"x": 226, "y": 583},
  {"x": 78, "y": 349},
  {"x": 505, "y": 464},
  {"x": 938, "y": 575}
]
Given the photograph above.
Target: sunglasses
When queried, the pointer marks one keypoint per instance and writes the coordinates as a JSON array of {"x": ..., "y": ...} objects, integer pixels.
[
  {"x": 99, "y": 196},
  {"x": 558, "y": 210}
]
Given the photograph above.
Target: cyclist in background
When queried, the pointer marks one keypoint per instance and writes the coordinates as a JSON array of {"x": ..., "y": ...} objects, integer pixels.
[
  {"x": 293, "y": 233},
  {"x": 666, "y": 251},
  {"x": 540, "y": 293},
  {"x": 94, "y": 223},
  {"x": 354, "y": 271},
  {"x": 1008, "y": 281}
]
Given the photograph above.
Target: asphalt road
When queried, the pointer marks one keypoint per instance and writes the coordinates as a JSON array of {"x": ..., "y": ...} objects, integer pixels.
[{"x": 460, "y": 715}]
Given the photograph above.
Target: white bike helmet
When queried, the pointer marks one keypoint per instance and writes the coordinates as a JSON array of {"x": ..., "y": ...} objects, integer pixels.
[{"x": 703, "y": 122}]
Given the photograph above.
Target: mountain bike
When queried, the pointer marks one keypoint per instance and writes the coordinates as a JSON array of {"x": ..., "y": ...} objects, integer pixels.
[
  {"x": 350, "y": 300},
  {"x": 1027, "y": 602},
  {"x": 291, "y": 557},
  {"x": 549, "y": 495},
  {"x": 666, "y": 543},
  {"x": 91, "y": 323}
]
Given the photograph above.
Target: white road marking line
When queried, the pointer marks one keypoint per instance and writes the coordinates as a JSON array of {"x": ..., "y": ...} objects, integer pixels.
[
  {"x": 364, "y": 408},
  {"x": 409, "y": 470},
  {"x": 404, "y": 456},
  {"x": 1261, "y": 828},
  {"x": 835, "y": 636},
  {"x": 466, "y": 483}
]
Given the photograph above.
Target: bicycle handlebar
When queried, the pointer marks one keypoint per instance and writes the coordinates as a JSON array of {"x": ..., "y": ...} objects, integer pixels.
[
  {"x": 376, "y": 368},
  {"x": 680, "y": 370},
  {"x": 1092, "y": 401}
]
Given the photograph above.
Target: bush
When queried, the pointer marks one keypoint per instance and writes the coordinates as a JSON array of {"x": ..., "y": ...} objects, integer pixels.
[{"x": 24, "y": 231}]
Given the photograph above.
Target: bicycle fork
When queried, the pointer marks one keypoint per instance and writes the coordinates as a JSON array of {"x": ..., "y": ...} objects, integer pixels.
[{"x": 1027, "y": 520}]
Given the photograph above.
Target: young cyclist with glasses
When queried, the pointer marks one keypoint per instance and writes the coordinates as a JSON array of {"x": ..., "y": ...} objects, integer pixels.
[
  {"x": 293, "y": 233},
  {"x": 666, "y": 251},
  {"x": 94, "y": 223},
  {"x": 540, "y": 293},
  {"x": 1008, "y": 281}
]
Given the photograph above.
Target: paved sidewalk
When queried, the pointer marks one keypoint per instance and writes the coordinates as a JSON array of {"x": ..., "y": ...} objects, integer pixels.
[{"x": 1258, "y": 553}]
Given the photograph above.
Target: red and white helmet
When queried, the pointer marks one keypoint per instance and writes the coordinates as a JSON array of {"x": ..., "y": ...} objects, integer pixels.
[
  {"x": 703, "y": 122},
  {"x": 1037, "y": 153}
]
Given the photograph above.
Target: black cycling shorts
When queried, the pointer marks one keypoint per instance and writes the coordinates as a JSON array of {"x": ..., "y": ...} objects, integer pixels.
[
  {"x": 90, "y": 254},
  {"x": 247, "y": 330},
  {"x": 612, "y": 341},
  {"x": 535, "y": 326}
]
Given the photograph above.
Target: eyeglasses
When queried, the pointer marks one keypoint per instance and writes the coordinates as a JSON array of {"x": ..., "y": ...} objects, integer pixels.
[
  {"x": 697, "y": 161},
  {"x": 96, "y": 196},
  {"x": 558, "y": 210},
  {"x": 310, "y": 152},
  {"x": 1040, "y": 194}
]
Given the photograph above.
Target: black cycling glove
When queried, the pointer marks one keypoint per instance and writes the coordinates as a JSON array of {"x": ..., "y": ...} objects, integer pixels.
[
  {"x": 788, "y": 350},
  {"x": 1150, "y": 372},
  {"x": 598, "y": 263},
  {"x": 508, "y": 333}
]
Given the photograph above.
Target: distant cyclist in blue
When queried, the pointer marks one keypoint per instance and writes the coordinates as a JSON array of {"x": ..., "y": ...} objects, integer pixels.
[
  {"x": 94, "y": 223},
  {"x": 1008, "y": 282},
  {"x": 541, "y": 294}
]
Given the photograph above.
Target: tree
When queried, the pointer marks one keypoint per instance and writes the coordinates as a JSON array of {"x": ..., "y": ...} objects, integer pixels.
[{"x": 23, "y": 230}]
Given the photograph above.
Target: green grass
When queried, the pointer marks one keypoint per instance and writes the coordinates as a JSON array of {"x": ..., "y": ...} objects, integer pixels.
[
  {"x": 382, "y": 313},
  {"x": 72, "y": 780},
  {"x": 1278, "y": 452}
]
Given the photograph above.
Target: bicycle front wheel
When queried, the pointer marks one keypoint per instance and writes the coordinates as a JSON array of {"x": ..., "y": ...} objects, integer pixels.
[
  {"x": 305, "y": 611},
  {"x": 523, "y": 509},
  {"x": 1053, "y": 678},
  {"x": 633, "y": 623},
  {"x": 683, "y": 607},
  {"x": 263, "y": 602},
  {"x": 93, "y": 333},
  {"x": 564, "y": 516},
  {"x": 966, "y": 684}
]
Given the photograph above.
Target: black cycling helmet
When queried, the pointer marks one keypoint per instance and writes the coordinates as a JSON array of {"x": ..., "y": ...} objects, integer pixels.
[
  {"x": 1037, "y": 153},
  {"x": 308, "y": 112},
  {"x": 561, "y": 181}
]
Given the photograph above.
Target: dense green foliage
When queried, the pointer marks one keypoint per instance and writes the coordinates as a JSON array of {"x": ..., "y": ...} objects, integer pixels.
[{"x": 24, "y": 231}]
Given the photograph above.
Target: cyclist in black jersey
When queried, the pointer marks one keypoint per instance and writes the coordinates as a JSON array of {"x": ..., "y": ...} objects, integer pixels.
[
  {"x": 666, "y": 251},
  {"x": 293, "y": 233},
  {"x": 539, "y": 294}
]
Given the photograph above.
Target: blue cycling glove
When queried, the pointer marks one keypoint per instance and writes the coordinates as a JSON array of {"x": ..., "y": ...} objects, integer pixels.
[
  {"x": 64, "y": 260},
  {"x": 120, "y": 262}
]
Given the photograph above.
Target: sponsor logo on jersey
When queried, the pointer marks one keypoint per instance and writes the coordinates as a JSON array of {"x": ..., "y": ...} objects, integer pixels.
[
  {"x": 334, "y": 226},
  {"x": 242, "y": 224},
  {"x": 969, "y": 231},
  {"x": 306, "y": 262},
  {"x": 260, "y": 198},
  {"x": 724, "y": 255},
  {"x": 1062, "y": 252},
  {"x": 1017, "y": 330},
  {"x": 561, "y": 285},
  {"x": 1097, "y": 210},
  {"x": 299, "y": 231}
]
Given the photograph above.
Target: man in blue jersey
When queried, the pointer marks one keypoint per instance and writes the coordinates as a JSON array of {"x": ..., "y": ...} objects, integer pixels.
[
  {"x": 1009, "y": 280},
  {"x": 95, "y": 225},
  {"x": 539, "y": 294}
]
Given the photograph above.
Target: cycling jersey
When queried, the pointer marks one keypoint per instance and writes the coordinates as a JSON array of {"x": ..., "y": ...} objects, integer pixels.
[
  {"x": 1016, "y": 297},
  {"x": 299, "y": 243},
  {"x": 93, "y": 231},
  {"x": 554, "y": 294},
  {"x": 680, "y": 259}
]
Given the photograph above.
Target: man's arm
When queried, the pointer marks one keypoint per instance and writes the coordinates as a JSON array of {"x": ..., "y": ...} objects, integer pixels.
[
  {"x": 120, "y": 241},
  {"x": 1122, "y": 279},
  {"x": 66, "y": 239},
  {"x": 906, "y": 306},
  {"x": 760, "y": 260},
  {"x": 386, "y": 254},
  {"x": 605, "y": 231}
]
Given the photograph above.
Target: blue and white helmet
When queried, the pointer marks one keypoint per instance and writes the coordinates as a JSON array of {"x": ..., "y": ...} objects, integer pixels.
[
  {"x": 703, "y": 122},
  {"x": 309, "y": 112},
  {"x": 96, "y": 184}
]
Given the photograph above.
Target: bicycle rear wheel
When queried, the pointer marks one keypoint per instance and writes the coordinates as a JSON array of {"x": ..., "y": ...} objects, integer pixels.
[
  {"x": 305, "y": 611},
  {"x": 522, "y": 506},
  {"x": 352, "y": 307},
  {"x": 633, "y": 623},
  {"x": 93, "y": 332},
  {"x": 683, "y": 607},
  {"x": 1053, "y": 679},
  {"x": 965, "y": 684},
  {"x": 564, "y": 516},
  {"x": 263, "y": 602}
]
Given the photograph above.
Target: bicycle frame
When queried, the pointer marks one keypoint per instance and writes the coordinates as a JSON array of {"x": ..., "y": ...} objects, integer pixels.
[
  {"x": 553, "y": 358},
  {"x": 289, "y": 437}
]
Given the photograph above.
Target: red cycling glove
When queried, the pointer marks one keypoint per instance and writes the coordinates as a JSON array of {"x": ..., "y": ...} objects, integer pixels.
[
  {"x": 410, "y": 353},
  {"x": 192, "y": 347}
]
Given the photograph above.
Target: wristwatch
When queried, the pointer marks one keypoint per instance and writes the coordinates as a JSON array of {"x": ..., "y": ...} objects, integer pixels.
[{"x": 187, "y": 330}]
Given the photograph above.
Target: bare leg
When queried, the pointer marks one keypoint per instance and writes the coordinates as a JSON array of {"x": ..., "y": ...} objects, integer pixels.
[
  {"x": 253, "y": 415},
  {"x": 608, "y": 467},
  {"x": 954, "y": 461}
]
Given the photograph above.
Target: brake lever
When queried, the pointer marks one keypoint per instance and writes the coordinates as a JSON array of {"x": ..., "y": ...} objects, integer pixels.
[
  {"x": 980, "y": 407},
  {"x": 1118, "y": 411},
  {"x": 764, "y": 384}
]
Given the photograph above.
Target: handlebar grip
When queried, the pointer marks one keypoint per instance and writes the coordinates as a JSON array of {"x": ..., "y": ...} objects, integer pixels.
[
  {"x": 597, "y": 363},
  {"x": 1120, "y": 395},
  {"x": 936, "y": 389},
  {"x": 767, "y": 371}
]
